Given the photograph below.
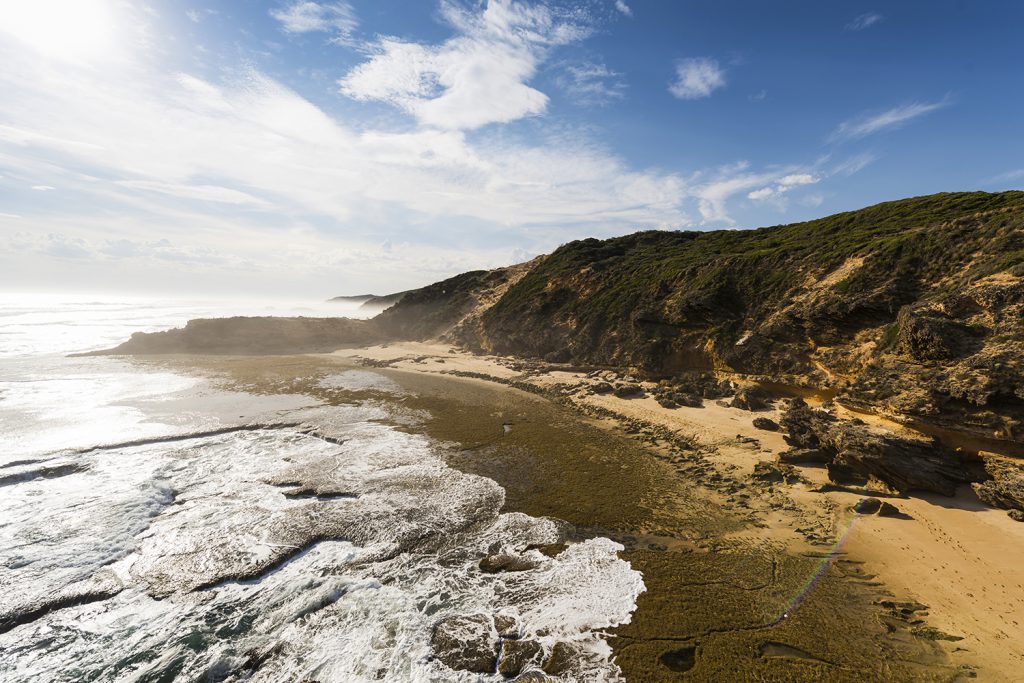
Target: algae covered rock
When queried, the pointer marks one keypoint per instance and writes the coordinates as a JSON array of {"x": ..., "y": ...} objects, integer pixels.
[
  {"x": 466, "y": 642},
  {"x": 505, "y": 562},
  {"x": 562, "y": 658},
  {"x": 516, "y": 655}
]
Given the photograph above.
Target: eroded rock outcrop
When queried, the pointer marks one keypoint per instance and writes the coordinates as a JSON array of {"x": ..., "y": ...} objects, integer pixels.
[
  {"x": 1005, "y": 488},
  {"x": 851, "y": 450}
]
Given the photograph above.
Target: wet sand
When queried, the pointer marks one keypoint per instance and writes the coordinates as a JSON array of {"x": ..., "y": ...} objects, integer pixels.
[{"x": 741, "y": 582}]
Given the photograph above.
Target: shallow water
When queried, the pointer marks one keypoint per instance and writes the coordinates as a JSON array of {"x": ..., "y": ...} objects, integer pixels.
[{"x": 154, "y": 527}]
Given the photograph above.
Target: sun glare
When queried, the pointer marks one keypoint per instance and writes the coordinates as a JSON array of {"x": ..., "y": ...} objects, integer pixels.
[{"x": 74, "y": 30}]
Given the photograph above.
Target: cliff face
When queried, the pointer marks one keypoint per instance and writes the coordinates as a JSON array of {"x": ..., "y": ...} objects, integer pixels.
[
  {"x": 451, "y": 309},
  {"x": 913, "y": 308}
]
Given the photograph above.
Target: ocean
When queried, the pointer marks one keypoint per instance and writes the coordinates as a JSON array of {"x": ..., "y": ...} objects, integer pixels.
[{"x": 155, "y": 526}]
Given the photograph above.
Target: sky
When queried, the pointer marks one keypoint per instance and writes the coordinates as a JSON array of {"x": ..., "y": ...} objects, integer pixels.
[{"x": 298, "y": 148}]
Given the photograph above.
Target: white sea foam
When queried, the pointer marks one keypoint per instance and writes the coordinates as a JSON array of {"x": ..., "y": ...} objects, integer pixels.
[{"x": 335, "y": 610}]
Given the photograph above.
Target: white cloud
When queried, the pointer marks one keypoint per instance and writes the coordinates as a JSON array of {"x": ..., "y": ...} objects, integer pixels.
[
  {"x": 43, "y": 188},
  {"x": 478, "y": 77},
  {"x": 697, "y": 78},
  {"x": 763, "y": 193},
  {"x": 782, "y": 186},
  {"x": 713, "y": 194},
  {"x": 891, "y": 118},
  {"x": 305, "y": 16},
  {"x": 797, "y": 179},
  {"x": 863, "y": 21},
  {"x": 592, "y": 84},
  {"x": 193, "y": 16},
  {"x": 622, "y": 7}
]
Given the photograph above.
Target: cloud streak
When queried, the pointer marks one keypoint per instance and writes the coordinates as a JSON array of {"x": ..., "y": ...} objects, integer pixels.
[
  {"x": 304, "y": 16},
  {"x": 886, "y": 120},
  {"x": 591, "y": 84},
  {"x": 863, "y": 21}
]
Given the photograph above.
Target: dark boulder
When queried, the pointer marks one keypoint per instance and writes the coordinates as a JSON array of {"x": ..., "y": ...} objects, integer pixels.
[
  {"x": 506, "y": 625},
  {"x": 766, "y": 423},
  {"x": 629, "y": 391},
  {"x": 563, "y": 658},
  {"x": 889, "y": 510},
  {"x": 688, "y": 400},
  {"x": 867, "y": 506},
  {"x": 804, "y": 456},
  {"x": 802, "y": 425},
  {"x": 845, "y": 475},
  {"x": 466, "y": 643},
  {"x": 751, "y": 398},
  {"x": 516, "y": 655},
  {"x": 504, "y": 562},
  {"x": 903, "y": 464}
]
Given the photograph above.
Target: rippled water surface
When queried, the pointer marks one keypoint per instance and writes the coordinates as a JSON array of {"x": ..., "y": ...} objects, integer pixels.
[{"x": 153, "y": 527}]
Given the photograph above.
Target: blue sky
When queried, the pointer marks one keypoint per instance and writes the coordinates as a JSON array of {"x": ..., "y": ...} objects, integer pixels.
[{"x": 314, "y": 148}]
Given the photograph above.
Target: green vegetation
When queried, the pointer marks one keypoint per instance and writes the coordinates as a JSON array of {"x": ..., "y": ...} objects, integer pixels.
[{"x": 734, "y": 279}]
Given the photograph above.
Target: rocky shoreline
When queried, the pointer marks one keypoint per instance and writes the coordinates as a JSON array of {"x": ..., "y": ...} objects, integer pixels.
[
  {"x": 815, "y": 466},
  {"x": 724, "y": 533}
]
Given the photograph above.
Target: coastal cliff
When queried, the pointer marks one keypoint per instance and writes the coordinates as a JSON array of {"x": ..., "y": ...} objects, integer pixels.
[{"x": 913, "y": 309}]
